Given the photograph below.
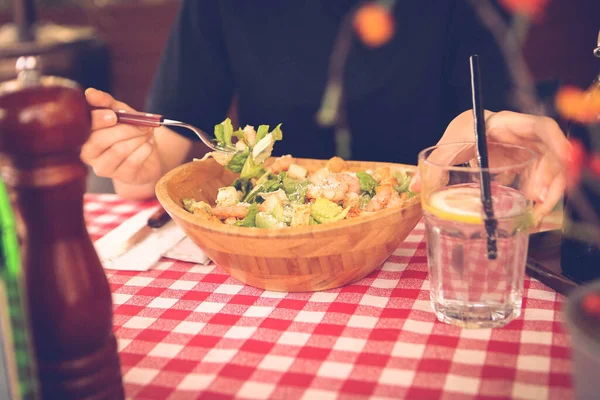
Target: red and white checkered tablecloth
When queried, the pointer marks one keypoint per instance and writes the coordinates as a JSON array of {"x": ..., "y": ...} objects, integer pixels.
[{"x": 188, "y": 331}]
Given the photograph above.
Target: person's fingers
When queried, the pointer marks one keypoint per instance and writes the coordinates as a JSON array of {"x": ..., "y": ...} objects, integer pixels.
[
  {"x": 106, "y": 163},
  {"x": 553, "y": 196},
  {"x": 103, "y": 139},
  {"x": 457, "y": 154},
  {"x": 98, "y": 98},
  {"x": 530, "y": 127},
  {"x": 415, "y": 183},
  {"x": 534, "y": 132},
  {"x": 452, "y": 154},
  {"x": 462, "y": 128},
  {"x": 546, "y": 171},
  {"x": 432, "y": 169},
  {"x": 129, "y": 169},
  {"x": 103, "y": 119}
]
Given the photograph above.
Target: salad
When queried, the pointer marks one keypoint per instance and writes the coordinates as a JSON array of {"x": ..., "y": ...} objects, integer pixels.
[{"x": 278, "y": 193}]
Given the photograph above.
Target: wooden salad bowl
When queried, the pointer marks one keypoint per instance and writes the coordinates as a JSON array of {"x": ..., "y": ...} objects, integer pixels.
[{"x": 294, "y": 259}]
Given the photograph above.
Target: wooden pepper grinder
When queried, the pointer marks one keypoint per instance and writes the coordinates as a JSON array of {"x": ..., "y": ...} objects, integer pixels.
[{"x": 44, "y": 121}]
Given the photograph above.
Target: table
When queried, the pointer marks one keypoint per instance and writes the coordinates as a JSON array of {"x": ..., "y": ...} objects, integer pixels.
[{"x": 188, "y": 331}]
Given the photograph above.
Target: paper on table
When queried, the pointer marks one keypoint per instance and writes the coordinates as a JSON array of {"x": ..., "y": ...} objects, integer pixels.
[
  {"x": 186, "y": 250},
  {"x": 148, "y": 252}
]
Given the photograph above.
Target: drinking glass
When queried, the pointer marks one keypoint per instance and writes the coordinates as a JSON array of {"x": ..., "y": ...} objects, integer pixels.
[{"x": 469, "y": 288}]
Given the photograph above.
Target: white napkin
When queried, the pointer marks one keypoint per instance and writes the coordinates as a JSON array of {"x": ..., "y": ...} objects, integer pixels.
[
  {"x": 169, "y": 241},
  {"x": 186, "y": 250}
]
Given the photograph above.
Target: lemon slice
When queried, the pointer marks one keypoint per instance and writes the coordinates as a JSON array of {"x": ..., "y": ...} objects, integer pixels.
[{"x": 456, "y": 204}]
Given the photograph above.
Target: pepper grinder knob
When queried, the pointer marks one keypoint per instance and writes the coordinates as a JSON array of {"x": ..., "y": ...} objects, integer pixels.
[{"x": 28, "y": 69}]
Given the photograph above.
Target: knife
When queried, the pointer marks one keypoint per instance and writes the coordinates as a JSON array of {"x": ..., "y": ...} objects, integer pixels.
[{"x": 155, "y": 221}]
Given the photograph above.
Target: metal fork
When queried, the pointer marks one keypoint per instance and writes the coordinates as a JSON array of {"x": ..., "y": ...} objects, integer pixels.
[{"x": 156, "y": 120}]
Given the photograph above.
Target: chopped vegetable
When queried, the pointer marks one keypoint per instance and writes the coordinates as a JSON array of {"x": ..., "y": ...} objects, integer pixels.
[
  {"x": 367, "y": 182},
  {"x": 278, "y": 213},
  {"x": 262, "y": 132},
  {"x": 251, "y": 169},
  {"x": 264, "y": 220},
  {"x": 263, "y": 185},
  {"x": 224, "y": 132},
  {"x": 238, "y": 161},
  {"x": 250, "y": 218},
  {"x": 295, "y": 189},
  {"x": 277, "y": 134},
  {"x": 323, "y": 211}
]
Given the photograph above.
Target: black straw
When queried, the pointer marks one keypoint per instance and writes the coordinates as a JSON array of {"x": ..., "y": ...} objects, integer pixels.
[{"x": 482, "y": 156}]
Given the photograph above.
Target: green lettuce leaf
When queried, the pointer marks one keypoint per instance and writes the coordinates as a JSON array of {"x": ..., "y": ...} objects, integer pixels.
[
  {"x": 238, "y": 161},
  {"x": 250, "y": 219},
  {"x": 295, "y": 189},
  {"x": 298, "y": 194},
  {"x": 324, "y": 211},
  {"x": 227, "y": 131},
  {"x": 271, "y": 185},
  {"x": 265, "y": 184},
  {"x": 277, "y": 134},
  {"x": 219, "y": 134},
  {"x": 239, "y": 133},
  {"x": 403, "y": 182},
  {"x": 287, "y": 184},
  {"x": 251, "y": 169},
  {"x": 279, "y": 213},
  {"x": 367, "y": 182},
  {"x": 262, "y": 132},
  {"x": 265, "y": 220}
]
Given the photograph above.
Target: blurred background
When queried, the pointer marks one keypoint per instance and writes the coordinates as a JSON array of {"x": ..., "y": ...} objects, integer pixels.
[{"x": 115, "y": 45}]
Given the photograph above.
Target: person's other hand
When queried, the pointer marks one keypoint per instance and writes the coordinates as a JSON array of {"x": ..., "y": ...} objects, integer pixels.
[
  {"x": 125, "y": 153},
  {"x": 540, "y": 134}
]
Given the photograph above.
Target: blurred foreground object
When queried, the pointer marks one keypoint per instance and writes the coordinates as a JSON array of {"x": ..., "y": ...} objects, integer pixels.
[
  {"x": 18, "y": 378},
  {"x": 580, "y": 247},
  {"x": 44, "y": 121}
]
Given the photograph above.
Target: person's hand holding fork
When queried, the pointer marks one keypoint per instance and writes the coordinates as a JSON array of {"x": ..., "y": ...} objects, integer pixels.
[{"x": 134, "y": 157}]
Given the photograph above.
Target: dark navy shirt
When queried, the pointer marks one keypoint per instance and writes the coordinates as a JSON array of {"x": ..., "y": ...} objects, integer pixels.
[{"x": 274, "y": 56}]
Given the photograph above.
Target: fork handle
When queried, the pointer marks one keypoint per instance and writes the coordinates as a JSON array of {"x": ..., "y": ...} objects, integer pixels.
[
  {"x": 135, "y": 117},
  {"x": 139, "y": 118}
]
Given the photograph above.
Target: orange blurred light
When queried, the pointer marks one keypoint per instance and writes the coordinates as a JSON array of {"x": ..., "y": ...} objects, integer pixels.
[
  {"x": 374, "y": 25},
  {"x": 578, "y": 105}
]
